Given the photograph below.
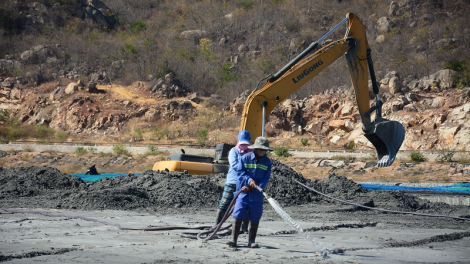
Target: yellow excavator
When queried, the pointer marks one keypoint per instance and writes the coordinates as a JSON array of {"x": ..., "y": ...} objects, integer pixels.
[{"x": 385, "y": 135}]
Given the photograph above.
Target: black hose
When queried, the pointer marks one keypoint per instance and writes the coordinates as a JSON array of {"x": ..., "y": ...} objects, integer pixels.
[
  {"x": 218, "y": 226},
  {"x": 378, "y": 209}
]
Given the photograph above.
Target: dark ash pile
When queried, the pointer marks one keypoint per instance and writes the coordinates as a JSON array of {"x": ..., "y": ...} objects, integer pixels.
[{"x": 45, "y": 187}]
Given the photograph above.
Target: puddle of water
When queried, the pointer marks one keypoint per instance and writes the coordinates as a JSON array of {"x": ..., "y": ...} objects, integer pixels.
[{"x": 304, "y": 234}]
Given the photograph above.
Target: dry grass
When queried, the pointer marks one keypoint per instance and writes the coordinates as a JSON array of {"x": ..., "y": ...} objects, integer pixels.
[
  {"x": 27, "y": 149},
  {"x": 72, "y": 168},
  {"x": 51, "y": 152},
  {"x": 46, "y": 88},
  {"x": 145, "y": 166},
  {"x": 25, "y": 157},
  {"x": 126, "y": 93}
]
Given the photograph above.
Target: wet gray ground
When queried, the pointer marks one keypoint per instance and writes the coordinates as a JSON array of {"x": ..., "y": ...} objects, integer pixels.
[{"x": 161, "y": 199}]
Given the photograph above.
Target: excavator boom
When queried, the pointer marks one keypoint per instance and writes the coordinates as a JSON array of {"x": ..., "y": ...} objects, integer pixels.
[{"x": 386, "y": 135}]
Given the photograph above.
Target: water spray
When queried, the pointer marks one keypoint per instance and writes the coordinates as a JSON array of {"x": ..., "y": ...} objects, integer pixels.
[{"x": 304, "y": 234}]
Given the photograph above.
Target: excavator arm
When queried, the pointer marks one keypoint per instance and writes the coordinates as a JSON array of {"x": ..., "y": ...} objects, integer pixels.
[{"x": 386, "y": 136}]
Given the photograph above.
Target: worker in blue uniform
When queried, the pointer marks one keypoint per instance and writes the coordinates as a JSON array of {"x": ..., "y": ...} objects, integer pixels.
[
  {"x": 254, "y": 169},
  {"x": 244, "y": 141}
]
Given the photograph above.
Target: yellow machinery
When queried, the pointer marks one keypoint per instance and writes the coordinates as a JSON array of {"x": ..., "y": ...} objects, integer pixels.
[
  {"x": 197, "y": 164},
  {"x": 386, "y": 135}
]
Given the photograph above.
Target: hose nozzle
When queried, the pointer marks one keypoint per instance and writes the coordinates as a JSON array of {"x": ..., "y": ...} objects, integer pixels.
[
  {"x": 265, "y": 195},
  {"x": 263, "y": 192}
]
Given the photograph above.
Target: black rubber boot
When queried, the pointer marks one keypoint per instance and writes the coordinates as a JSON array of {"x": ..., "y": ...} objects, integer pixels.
[
  {"x": 220, "y": 215},
  {"x": 252, "y": 234},
  {"x": 245, "y": 225},
  {"x": 237, "y": 223}
]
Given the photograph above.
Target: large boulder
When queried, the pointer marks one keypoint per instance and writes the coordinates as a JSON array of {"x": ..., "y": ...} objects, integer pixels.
[
  {"x": 447, "y": 133},
  {"x": 29, "y": 56},
  {"x": 169, "y": 78},
  {"x": 57, "y": 95},
  {"x": 72, "y": 88},
  {"x": 194, "y": 34},
  {"x": 243, "y": 48},
  {"x": 99, "y": 13},
  {"x": 10, "y": 66},
  {"x": 152, "y": 114},
  {"x": 394, "y": 85},
  {"x": 7, "y": 84},
  {"x": 34, "y": 78},
  {"x": 442, "y": 79},
  {"x": 40, "y": 54},
  {"x": 384, "y": 25},
  {"x": 348, "y": 108},
  {"x": 455, "y": 131},
  {"x": 238, "y": 103},
  {"x": 167, "y": 87},
  {"x": 393, "y": 9},
  {"x": 337, "y": 124},
  {"x": 194, "y": 98}
]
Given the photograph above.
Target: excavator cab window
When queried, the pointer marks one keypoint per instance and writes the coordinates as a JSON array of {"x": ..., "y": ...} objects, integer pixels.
[{"x": 221, "y": 152}]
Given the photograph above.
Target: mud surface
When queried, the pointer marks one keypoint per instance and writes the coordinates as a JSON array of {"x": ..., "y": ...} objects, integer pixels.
[{"x": 195, "y": 198}]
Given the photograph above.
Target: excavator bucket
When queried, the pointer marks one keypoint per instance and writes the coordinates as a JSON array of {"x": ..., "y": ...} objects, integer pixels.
[{"x": 387, "y": 137}]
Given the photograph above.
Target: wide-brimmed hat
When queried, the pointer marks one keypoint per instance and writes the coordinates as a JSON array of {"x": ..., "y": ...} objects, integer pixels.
[
  {"x": 244, "y": 137},
  {"x": 261, "y": 143}
]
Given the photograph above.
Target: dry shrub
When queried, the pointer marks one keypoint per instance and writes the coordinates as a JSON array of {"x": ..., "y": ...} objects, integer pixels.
[{"x": 46, "y": 88}]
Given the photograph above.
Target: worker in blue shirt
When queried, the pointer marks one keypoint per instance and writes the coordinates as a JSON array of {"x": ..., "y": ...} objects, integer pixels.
[
  {"x": 235, "y": 153},
  {"x": 254, "y": 169}
]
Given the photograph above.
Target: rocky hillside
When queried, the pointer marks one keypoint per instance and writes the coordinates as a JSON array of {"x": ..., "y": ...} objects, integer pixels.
[{"x": 113, "y": 70}]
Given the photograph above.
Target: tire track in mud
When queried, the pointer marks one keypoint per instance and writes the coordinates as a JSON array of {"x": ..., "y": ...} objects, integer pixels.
[
  {"x": 327, "y": 228},
  {"x": 406, "y": 244},
  {"x": 33, "y": 254},
  {"x": 433, "y": 239}
]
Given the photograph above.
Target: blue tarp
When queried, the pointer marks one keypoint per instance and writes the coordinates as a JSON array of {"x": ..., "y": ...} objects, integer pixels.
[
  {"x": 95, "y": 178},
  {"x": 457, "y": 187}
]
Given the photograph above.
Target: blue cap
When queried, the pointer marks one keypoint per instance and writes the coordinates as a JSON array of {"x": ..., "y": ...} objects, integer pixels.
[{"x": 244, "y": 137}]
